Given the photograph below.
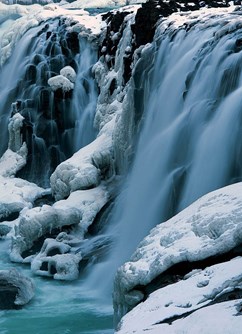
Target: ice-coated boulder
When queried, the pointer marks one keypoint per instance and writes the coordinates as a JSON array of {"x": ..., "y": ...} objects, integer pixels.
[
  {"x": 80, "y": 208},
  {"x": 209, "y": 227},
  {"x": 69, "y": 73},
  {"x": 15, "y": 289},
  {"x": 16, "y": 194},
  {"x": 53, "y": 261},
  {"x": 38, "y": 222},
  {"x": 60, "y": 82},
  {"x": 173, "y": 307},
  {"x": 15, "y": 156}
]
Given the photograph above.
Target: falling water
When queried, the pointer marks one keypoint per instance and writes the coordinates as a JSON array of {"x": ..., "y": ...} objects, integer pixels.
[
  {"x": 52, "y": 120},
  {"x": 190, "y": 141}
]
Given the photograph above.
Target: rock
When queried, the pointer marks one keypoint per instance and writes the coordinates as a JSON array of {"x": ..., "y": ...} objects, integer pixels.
[
  {"x": 69, "y": 73},
  {"x": 60, "y": 82},
  {"x": 15, "y": 289}
]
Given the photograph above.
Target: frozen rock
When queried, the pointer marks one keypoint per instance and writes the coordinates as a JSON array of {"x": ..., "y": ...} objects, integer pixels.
[
  {"x": 186, "y": 299},
  {"x": 209, "y": 227},
  {"x": 86, "y": 168},
  {"x": 79, "y": 209},
  {"x": 60, "y": 82},
  {"x": 15, "y": 156},
  {"x": 69, "y": 73},
  {"x": 88, "y": 202},
  {"x": 15, "y": 289},
  {"x": 53, "y": 261},
  {"x": 16, "y": 194},
  {"x": 38, "y": 222},
  {"x": 11, "y": 162}
]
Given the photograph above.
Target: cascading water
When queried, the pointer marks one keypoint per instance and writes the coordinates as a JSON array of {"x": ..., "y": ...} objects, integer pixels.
[
  {"x": 84, "y": 97},
  {"x": 51, "y": 118},
  {"x": 190, "y": 139}
]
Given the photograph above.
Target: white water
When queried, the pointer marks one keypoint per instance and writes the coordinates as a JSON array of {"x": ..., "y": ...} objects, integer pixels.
[
  {"x": 85, "y": 97},
  {"x": 188, "y": 144}
]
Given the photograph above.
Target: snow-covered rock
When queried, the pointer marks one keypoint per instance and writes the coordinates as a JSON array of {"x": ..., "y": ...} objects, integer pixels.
[
  {"x": 60, "y": 82},
  {"x": 69, "y": 73},
  {"x": 79, "y": 209},
  {"x": 38, "y": 222},
  {"x": 16, "y": 194},
  {"x": 53, "y": 261},
  {"x": 207, "y": 228},
  {"x": 15, "y": 289},
  {"x": 173, "y": 307}
]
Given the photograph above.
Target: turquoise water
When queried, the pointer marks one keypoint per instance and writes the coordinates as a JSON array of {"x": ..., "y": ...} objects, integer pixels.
[{"x": 57, "y": 308}]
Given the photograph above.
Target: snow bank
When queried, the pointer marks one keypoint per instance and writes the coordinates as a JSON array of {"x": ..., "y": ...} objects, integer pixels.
[
  {"x": 100, "y": 3},
  {"x": 161, "y": 312},
  {"x": 210, "y": 226}
]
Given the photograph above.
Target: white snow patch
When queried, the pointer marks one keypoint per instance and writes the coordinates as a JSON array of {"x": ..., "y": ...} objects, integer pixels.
[
  {"x": 60, "y": 82},
  {"x": 188, "y": 295},
  {"x": 69, "y": 73}
]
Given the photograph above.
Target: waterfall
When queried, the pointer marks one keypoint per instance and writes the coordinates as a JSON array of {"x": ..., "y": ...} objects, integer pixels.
[
  {"x": 51, "y": 118},
  {"x": 190, "y": 138}
]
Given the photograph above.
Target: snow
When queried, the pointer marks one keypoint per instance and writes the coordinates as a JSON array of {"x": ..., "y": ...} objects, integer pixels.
[
  {"x": 33, "y": 15},
  {"x": 101, "y": 3},
  {"x": 60, "y": 82},
  {"x": 210, "y": 226},
  {"x": 78, "y": 210},
  {"x": 214, "y": 319},
  {"x": 190, "y": 295},
  {"x": 66, "y": 265},
  {"x": 17, "y": 194},
  {"x": 69, "y": 73}
]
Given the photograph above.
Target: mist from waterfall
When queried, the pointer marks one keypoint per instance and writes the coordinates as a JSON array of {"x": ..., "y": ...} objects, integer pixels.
[{"x": 190, "y": 139}]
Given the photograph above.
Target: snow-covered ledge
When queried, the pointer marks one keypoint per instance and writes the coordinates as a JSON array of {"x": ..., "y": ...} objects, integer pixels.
[
  {"x": 187, "y": 306},
  {"x": 209, "y": 227}
]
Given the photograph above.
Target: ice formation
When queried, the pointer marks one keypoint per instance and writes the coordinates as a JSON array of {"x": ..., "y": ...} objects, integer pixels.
[{"x": 15, "y": 289}]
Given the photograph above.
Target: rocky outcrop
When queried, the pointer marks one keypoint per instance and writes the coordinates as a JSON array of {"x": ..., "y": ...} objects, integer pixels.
[{"x": 16, "y": 290}]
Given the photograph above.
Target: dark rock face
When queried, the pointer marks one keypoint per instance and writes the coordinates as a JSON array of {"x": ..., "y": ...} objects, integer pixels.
[
  {"x": 115, "y": 26},
  {"x": 144, "y": 27}
]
